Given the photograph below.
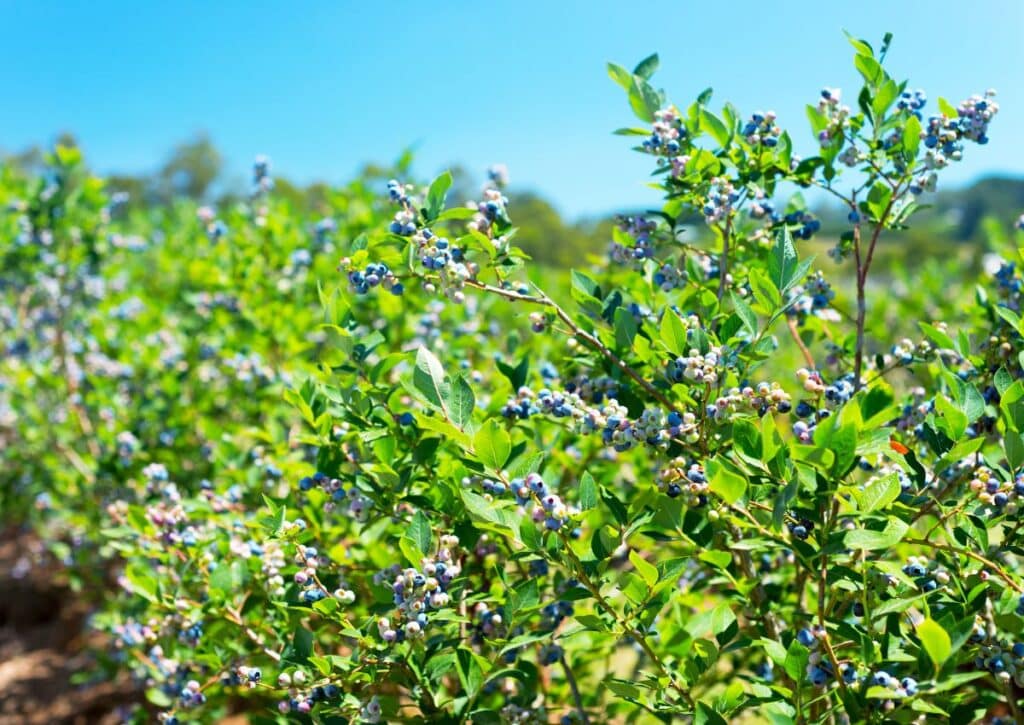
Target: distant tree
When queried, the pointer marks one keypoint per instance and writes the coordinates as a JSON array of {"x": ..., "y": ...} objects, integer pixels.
[
  {"x": 545, "y": 236},
  {"x": 191, "y": 169}
]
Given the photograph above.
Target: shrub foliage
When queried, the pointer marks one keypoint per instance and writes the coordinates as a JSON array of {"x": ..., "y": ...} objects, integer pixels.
[{"x": 437, "y": 483}]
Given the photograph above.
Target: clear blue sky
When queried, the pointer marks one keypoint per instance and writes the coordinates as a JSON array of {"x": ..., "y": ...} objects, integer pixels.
[{"x": 323, "y": 87}]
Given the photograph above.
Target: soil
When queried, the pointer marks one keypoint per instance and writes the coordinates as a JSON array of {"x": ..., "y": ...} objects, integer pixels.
[{"x": 44, "y": 644}]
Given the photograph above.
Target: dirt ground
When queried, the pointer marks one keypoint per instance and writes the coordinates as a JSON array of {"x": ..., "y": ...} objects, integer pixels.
[{"x": 43, "y": 644}]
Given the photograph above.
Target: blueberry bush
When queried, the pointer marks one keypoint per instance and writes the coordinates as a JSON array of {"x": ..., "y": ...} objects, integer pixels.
[{"x": 715, "y": 475}]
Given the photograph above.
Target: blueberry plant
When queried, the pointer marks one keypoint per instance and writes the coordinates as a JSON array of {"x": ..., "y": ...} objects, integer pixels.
[{"x": 700, "y": 483}]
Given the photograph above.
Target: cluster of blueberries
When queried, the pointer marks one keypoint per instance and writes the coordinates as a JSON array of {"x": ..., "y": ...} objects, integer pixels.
[
  {"x": 552, "y": 511},
  {"x": 418, "y": 591},
  {"x": 191, "y": 634},
  {"x": 376, "y": 273},
  {"x": 493, "y": 207},
  {"x": 215, "y": 229},
  {"x": 302, "y": 701},
  {"x": 813, "y": 297},
  {"x": 358, "y": 504},
  {"x": 919, "y": 569},
  {"x": 1008, "y": 282},
  {"x": 819, "y": 669},
  {"x": 242, "y": 675},
  {"x": 695, "y": 367},
  {"x": 834, "y": 395},
  {"x": 436, "y": 253},
  {"x": 837, "y": 115},
  {"x": 668, "y": 277},
  {"x": 641, "y": 229},
  {"x": 722, "y": 195},
  {"x": 262, "y": 183},
  {"x": 667, "y": 133},
  {"x": 580, "y": 400},
  {"x": 1001, "y": 658},
  {"x": 761, "y": 130},
  {"x": 808, "y": 224},
  {"x": 679, "y": 477},
  {"x": 943, "y": 137},
  {"x": 991, "y": 490},
  {"x": 912, "y": 101},
  {"x": 800, "y": 528}
]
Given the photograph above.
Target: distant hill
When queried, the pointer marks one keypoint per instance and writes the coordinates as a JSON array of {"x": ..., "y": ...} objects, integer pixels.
[{"x": 1000, "y": 198}]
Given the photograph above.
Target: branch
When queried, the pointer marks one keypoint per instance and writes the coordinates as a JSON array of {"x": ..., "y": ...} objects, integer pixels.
[{"x": 544, "y": 301}]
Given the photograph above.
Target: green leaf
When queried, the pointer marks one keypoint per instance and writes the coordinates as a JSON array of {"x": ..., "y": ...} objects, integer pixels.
[
  {"x": 872, "y": 540},
  {"x": 764, "y": 291},
  {"x": 947, "y": 109},
  {"x": 646, "y": 68},
  {"x": 887, "y": 93},
  {"x": 409, "y": 551},
  {"x": 870, "y": 68},
  {"x": 706, "y": 715},
  {"x": 470, "y": 672},
  {"x": 622, "y": 688},
  {"x": 492, "y": 444},
  {"x": 911, "y": 137},
  {"x": 644, "y": 568},
  {"x": 461, "y": 402},
  {"x": 228, "y": 578},
  {"x": 935, "y": 641},
  {"x": 879, "y": 493},
  {"x": 861, "y": 46},
  {"x": 712, "y": 124},
  {"x": 490, "y": 512},
  {"x": 782, "y": 264},
  {"x": 729, "y": 486},
  {"x": 673, "y": 333},
  {"x": 625, "y": 328},
  {"x": 717, "y": 559},
  {"x": 301, "y": 646},
  {"x": 714, "y": 621},
  {"x": 843, "y": 444},
  {"x": 744, "y": 312},
  {"x": 878, "y": 199},
  {"x": 1009, "y": 315},
  {"x": 158, "y": 697},
  {"x": 588, "y": 492},
  {"x": 621, "y": 76},
  {"x": 1013, "y": 443},
  {"x": 428, "y": 378},
  {"x": 747, "y": 438},
  {"x": 419, "y": 532},
  {"x": 950, "y": 419},
  {"x": 937, "y": 336},
  {"x": 436, "y": 195},
  {"x": 796, "y": 660},
  {"x": 644, "y": 99},
  {"x": 142, "y": 580},
  {"x": 523, "y": 595}
]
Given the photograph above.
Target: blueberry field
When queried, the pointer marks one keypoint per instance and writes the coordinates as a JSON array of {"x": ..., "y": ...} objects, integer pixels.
[{"x": 392, "y": 451}]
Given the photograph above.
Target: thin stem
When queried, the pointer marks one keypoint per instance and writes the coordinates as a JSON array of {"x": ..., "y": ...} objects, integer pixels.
[
  {"x": 863, "y": 267},
  {"x": 791, "y": 322},
  {"x": 236, "y": 618},
  {"x": 723, "y": 263},
  {"x": 545, "y": 301},
  {"x": 1011, "y": 700},
  {"x": 998, "y": 570},
  {"x": 633, "y": 632},
  {"x": 822, "y": 587},
  {"x": 577, "y": 698}
]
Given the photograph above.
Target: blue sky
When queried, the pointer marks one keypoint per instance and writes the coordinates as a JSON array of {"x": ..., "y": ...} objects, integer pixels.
[{"x": 323, "y": 87}]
